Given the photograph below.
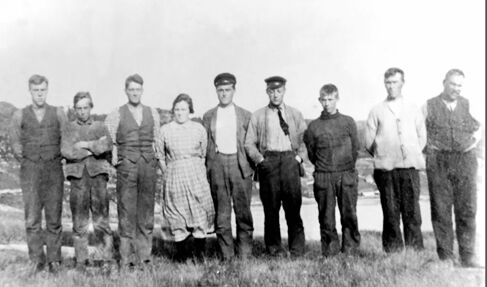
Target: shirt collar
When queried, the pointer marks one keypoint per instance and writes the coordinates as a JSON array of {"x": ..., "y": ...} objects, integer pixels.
[
  {"x": 281, "y": 107},
  {"x": 87, "y": 123},
  {"x": 325, "y": 115}
]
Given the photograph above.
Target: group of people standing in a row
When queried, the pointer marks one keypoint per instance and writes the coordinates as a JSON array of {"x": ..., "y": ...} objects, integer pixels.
[{"x": 208, "y": 168}]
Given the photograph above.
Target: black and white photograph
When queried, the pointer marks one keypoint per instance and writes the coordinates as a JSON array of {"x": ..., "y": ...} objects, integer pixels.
[{"x": 242, "y": 143}]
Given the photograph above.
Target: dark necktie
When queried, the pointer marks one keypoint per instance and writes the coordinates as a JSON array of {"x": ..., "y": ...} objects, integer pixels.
[{"x": 282, "y": 123}]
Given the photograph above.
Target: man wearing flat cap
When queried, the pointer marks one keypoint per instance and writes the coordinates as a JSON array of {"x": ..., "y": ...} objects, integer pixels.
[
  {"x": 273, "y": 142},
  {"x": 134, "y": 128},
  {"x": 229, "y": 169}
]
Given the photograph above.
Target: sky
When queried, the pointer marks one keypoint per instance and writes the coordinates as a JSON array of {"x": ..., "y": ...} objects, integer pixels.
[{"x": 180, "y": 46}]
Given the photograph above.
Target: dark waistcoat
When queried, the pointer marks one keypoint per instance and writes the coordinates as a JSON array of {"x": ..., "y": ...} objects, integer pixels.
[
  {"x": 135, "y": 141},
  {"x": 40, "y": 140},
  {"x": 450, "y": 130}
]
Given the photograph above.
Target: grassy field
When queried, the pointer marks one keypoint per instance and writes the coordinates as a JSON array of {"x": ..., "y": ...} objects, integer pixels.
[{"x": 369, "y": 266}]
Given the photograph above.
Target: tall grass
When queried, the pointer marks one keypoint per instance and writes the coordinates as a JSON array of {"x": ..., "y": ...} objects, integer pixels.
[{"x": 369, "y": 266}]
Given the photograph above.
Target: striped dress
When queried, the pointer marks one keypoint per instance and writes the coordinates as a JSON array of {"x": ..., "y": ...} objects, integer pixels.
[{"x": 187, "y": 205}]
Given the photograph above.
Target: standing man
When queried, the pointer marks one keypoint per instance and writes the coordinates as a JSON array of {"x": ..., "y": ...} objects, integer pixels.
[
  {"x": 134, "y": 128},
  {"x": 396, "y": 135},
  {"x": 36, "y": 139},
  {"x": 86, "y": 145},
  {"x": 273, "y": 142},
  {"x": 229, "y": 170},
  {"x": 332, "y": 144},
  {"x": 451, "y": 166}
]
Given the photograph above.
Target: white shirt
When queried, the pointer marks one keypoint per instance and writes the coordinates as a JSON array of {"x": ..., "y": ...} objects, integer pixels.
[{"x": 226, "y": 130}]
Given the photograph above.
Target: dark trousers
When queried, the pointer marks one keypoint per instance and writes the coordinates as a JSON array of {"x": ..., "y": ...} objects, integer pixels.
[
  {"x": 399, "y": 196},
  {"x": 90, "y": 194},
  {"x": 279, "y": 182},
  {"x": 136, "y": 185},
  {"x": 227, "y": 185},
  {"x": 452, "y": 182},
  {"x": 42, "y": 186},
  {"x": 330, "y": 187}
]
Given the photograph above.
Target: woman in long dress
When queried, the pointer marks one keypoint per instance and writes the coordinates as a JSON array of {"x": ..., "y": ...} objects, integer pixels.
[{"x": 187, "y": 206}]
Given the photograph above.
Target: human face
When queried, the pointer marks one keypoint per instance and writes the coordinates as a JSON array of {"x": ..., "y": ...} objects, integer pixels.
[
  {"x": 82, "y": 109},
  {"x": 276, "y": 95},
  {"x": 181, "y": 112},
  {"x": 134, "y": 93},
  {"x": 394, "y": 85},
  {"x": 39, "y": 94},
  {"x": 225, "y": 94},
  {"x": 329, "y": 102},
  {"x": 453, "y": 86}
]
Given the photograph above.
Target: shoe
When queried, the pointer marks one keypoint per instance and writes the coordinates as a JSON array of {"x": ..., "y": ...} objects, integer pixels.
[{"x": 54, "y": 267}]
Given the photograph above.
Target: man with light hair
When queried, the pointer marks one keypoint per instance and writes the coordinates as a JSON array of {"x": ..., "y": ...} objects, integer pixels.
[
  {"x": 36, "y": 139},
  {"x": 451, "y": 166},
  {"x": 395, "y": 136}
]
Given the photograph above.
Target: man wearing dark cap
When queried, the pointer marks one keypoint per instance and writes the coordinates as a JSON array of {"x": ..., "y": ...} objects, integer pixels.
[
  {"x": 451, "y": 166},
  {"x": 229, "y": 169},
  {"x": 86, "y": 146},
  {"x": 36, "y": 142},
  {"x": 134, "y": 128},
  {"x": 273, "y": 142},
  {"x": 332, "y": 144}
]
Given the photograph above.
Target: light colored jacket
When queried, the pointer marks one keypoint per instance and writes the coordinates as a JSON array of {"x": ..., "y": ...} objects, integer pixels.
[
  {"x": 256, "y": 139},
  {"x": 396, "y": 135}
]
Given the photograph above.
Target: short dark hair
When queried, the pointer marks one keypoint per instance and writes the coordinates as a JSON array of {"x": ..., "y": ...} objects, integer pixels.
[
  {"x": 329, "y": 89},
  {"x": 136, "y": 78},
  {"x": 82, "y": 95},
  {"x": 183, "y": 98},
  {"x": 392, "y": 71},
  {"x": 452, "y": 72},
  {"x": 37, "y": 80}
]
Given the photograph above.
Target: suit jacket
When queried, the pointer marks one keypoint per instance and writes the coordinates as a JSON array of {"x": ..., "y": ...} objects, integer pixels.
[{"x": 243, "y": 118}]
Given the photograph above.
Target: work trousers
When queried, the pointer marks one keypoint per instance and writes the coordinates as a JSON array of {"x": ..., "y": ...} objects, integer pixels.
[
  {"x": 280, "y": 182},
  {"x": 227, "y": 185},
  {"x": 136, "y": 185},
  {"x": 90, "y": 194},
  {"x": 330, "y": 187},
  {"x": 452, "y": 183},
  {"x": 42, "y": 184},
  {"x": 399, "y": 196}
]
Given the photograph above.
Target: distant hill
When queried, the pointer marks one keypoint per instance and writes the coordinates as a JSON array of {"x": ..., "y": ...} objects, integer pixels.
[{"x": 6, "y": 112}]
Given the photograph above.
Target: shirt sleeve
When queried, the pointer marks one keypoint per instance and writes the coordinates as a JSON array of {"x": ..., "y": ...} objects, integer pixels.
[
  {"x": 157, "y": 133},
  {"x": 68, "y": 149},
  {"x": 251, "y": 141},
  {"x": 104, "y": 141},
  {"x": 371, "y": 132},
  {"x": 309, "y": 141},
  {"x": 62, "y": 118},
  {"x": 14, "y": 134},
  {"x": 111, "y": 122},
  {"x": 301, "y": 128},
  {"x": 352, "y": 126},
  {"x": 421, "y": 127},
  {"x": 204, "y": 141}
]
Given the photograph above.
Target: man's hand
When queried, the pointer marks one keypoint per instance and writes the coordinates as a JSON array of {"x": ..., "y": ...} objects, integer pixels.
[
  {"x": 299, "y": 159},
  {"x": 82, "y": 145}
]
